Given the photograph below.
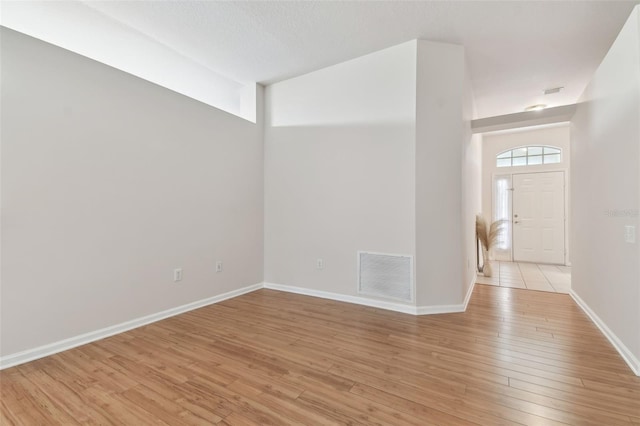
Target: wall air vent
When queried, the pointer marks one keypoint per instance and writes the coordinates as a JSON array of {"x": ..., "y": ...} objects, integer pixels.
[
  {"x": 553, "y": 90},
  {"x": 387, "y": 276}
]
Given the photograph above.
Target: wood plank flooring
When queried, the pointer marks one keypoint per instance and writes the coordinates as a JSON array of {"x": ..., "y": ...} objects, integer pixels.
[{"x": 272, "y": 358}]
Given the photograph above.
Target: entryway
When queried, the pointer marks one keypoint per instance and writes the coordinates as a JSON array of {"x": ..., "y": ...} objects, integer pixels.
[
  {"x": 532, "y": 276},
  {"x": 526, "y": 184}
]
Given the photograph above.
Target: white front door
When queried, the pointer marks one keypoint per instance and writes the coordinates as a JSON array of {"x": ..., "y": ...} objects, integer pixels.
[{"x": 538, "y": 217}]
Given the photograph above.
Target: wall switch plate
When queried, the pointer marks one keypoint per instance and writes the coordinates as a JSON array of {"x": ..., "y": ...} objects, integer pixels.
[
  {"x": 630, "y": 234},
  {"x": 219, "y": 266},
  {"x": 177, "y": 274},
  {"x": 319, "y": 263}
]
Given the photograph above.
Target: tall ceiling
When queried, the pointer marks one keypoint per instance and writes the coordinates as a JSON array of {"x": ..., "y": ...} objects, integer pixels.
[{"x": 515, "y": 49}]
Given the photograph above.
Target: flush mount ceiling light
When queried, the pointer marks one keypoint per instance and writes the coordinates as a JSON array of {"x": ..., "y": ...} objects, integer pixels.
[{"x": 537, "y": 107}]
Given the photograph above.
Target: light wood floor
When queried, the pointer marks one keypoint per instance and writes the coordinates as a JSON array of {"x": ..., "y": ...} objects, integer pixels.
[{"x": 515, "y": 357}]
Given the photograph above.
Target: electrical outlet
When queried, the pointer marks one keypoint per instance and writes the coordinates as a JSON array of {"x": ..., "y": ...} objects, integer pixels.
[
  {"x": 219, "y": 266},
  {"x": 177, "y": 274},
  {"x": 630, "y": 234},
  {"x": 319, "y": 263}
]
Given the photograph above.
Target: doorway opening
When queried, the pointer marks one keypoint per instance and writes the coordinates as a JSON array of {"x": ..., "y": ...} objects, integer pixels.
[{"x": 526, "y": 184}]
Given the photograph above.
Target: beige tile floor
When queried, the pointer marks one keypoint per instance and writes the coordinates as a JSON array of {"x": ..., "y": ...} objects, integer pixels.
[{"x": 532, "y": 276}]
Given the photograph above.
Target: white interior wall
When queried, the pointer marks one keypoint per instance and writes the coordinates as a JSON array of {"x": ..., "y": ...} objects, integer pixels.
[
  {"x": 446, "y": 157},
  {"x": 356, "y": 157},
  {"x": 494, "y": 143},
  {"x": 109, "y": 182},
  {"x": 605, "y": 171},
  {"x": 130, "y": 180},
  {"x": 339, "y": 169},
  {"x": 374, "y": 154},
  {"x": 113, "y": 43},
  {"x": 472, "y": 181}
]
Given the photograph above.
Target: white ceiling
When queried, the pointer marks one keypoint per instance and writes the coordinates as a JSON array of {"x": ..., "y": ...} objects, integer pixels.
[{"x": 515, "y": 49}]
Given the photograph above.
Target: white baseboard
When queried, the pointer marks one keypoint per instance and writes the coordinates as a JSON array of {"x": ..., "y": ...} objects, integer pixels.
[
  {"x": 449, "y": 309},
  {"x": 472, "y": 285},
  {"x": 391, "y": 306},
  {"x": 439, "y": 309},
  {"x": 63, "y": 345},
  {"x": 626, "y": 354},
  {"x": 374, "y": 303},
  {"x": 66, "y": 344}
]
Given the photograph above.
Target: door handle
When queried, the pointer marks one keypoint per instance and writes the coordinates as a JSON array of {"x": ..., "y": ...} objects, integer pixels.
[{"x": 516, "y": 221}]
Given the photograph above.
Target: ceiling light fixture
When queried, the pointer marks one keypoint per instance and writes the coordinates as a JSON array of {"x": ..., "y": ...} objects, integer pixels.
[{"x": 537, "y": 107}]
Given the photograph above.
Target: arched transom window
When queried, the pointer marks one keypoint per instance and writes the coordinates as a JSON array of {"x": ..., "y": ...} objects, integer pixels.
[{"x": 529, "y": 156}]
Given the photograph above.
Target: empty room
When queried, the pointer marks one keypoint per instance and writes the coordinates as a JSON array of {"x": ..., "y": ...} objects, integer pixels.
[{"x": 319, "y": 212}]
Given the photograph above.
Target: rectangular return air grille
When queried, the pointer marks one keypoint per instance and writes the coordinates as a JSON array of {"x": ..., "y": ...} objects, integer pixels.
[{"x": 385, "y": 275}]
